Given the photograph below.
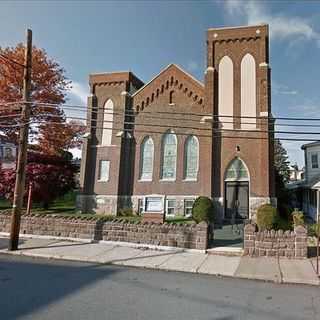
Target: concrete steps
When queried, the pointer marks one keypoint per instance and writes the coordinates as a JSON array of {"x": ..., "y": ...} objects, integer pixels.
[{"x": 226, "y": 251}]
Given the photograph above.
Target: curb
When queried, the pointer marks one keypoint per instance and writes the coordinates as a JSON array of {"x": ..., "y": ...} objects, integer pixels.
[{"x": 68, "y": 258}]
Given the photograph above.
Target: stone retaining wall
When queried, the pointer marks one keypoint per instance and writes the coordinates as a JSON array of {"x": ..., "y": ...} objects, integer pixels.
[
  {"x": 192, "y": 236},
  {"x": 290, "y": 244}
]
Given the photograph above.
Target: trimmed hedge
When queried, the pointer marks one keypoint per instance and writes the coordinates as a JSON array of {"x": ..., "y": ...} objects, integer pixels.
[
  {"x": 267, "y": 217},
  {"x": 203, "y": 210}
]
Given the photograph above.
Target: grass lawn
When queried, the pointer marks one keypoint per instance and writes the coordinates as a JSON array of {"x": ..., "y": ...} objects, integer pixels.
[
  {"x": 180, "y": 220},
  {"x": 4, "y": 204},
  {"x": 65, "y": 207}
]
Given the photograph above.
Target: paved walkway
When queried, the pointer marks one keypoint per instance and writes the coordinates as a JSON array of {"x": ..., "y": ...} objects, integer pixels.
[{"x": 267, "y": 269}]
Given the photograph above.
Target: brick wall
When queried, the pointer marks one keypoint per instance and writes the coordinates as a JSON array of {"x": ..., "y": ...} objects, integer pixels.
[
  {"x": 192, "y": 236},
  {"x": 290, "y": 244}
]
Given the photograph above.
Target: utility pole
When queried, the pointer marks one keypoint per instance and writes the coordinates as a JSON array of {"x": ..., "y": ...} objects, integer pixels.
[{"x": 19, "y": 188}]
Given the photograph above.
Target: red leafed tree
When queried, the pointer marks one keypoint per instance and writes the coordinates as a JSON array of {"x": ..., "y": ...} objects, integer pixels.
[
  {"x": 51, "y": 177},
  {"x": 49, "y": 85},
  {"x": 62, "y": 136}
]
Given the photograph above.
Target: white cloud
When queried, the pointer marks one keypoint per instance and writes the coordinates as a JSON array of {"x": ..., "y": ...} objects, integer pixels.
[
  {"x": 281, "y": 26},
  {"x": 294, "y": 151},
  {"x": 306, "y": 109},
  {"x": 283, "y": 89},
  {"x": 79, "y": 92}
]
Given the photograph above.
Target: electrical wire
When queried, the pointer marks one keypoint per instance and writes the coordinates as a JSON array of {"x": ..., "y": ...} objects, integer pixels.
[
  {"x": 198, "y": 135},
  {"x": 85, "y": 108}
]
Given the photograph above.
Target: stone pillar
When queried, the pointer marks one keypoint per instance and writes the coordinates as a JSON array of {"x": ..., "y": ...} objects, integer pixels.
[
  {"x": 301, "y": 242},
  {"x": 249, "y": 239}
]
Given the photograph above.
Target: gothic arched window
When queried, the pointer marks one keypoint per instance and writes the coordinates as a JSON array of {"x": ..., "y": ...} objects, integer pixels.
[
  {"x": 146, "y": 159},
  {"x": 237, "y": 171},
  {"x": 107, "y": 123},
  {"x": 248, "y": 92},
  {"x": 225, "y": 94},
  {"x": 169, "y": 156},
  {"x": 191, "y": 158}
]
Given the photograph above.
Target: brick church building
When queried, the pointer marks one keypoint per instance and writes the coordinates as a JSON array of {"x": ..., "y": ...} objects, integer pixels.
[{"x": 155, "y": 147}]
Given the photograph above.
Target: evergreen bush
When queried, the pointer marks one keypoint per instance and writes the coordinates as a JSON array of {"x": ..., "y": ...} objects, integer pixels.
[
  {"x": 267, "y": 217},
  {"x": 202, "y": 210}
]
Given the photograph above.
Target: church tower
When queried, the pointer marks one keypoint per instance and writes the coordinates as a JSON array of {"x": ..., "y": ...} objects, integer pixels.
[{"x": 237, "y": 85}]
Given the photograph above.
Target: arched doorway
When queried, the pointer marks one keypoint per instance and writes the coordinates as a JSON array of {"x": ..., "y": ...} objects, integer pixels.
[
  {"x": 236, "y": 206},
  {"x": 236, "y": 191}
]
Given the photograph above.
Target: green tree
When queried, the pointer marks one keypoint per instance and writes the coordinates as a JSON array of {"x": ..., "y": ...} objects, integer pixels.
[
  {"x": 281, "y": 161},
  {"x": 282, "y": 175}
]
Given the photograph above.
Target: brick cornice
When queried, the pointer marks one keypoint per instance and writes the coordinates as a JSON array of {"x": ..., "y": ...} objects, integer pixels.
[{"x": 172, "y": 77}]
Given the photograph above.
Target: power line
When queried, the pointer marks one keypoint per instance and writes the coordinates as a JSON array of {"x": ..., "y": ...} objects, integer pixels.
[
  {"x": 198, "y": 135},
  {"x": 85, "y": 108},
  {"x": 180, "y": 127}
]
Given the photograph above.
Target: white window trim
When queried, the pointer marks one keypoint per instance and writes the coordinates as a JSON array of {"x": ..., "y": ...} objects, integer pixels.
[
  {"x": 184, "y": 206},
  {"x": 168, "y": 180},
  {"x": 190, "y": 180},
  {"x": 166, "y": 208},
  {"x": 145, "y": 180}
]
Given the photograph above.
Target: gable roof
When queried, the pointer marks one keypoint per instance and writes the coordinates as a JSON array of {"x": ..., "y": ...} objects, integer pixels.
[
  {"x": 171, "y": 75},
  {"x": 311, "y": 144}
]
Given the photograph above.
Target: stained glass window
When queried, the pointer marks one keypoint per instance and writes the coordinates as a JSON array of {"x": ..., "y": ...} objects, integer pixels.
[
  {"x": 237, "y": 171},
  {"x": 169, "y": 156},
  {"x": 146, "y": 160},
  {"x": 191, "y": 157}
]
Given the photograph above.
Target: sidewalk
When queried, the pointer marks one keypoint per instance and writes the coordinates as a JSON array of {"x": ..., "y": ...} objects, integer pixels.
[{"x": 267, "y": 269}]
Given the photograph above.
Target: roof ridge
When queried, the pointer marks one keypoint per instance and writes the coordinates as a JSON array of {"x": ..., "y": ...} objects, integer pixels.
[{"x": 163, "y": 70}]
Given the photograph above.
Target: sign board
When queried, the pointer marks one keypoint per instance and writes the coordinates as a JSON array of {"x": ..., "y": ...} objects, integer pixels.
[{"x": 154, "y": 204}]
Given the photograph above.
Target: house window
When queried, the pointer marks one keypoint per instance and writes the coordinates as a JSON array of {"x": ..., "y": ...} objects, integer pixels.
[
  {"x": 314, "y": 161},
  {"x": 153, "y": 204},
  {"x": 169, "y": 156},
  {"x": 188, "y": 204},
  {"x": 146, "y": 159},
  {"x": 313, "y": 197},
  {"x": 140, "y": 206},
  {"x": 171, "y": 207},
  {"x": 191, "y": 158},
  {"x": 104, "y": 166}
]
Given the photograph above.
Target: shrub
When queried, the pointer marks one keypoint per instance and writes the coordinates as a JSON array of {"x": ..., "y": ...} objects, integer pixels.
[
  {"x": 267, "y": 217},
  {"x": 283, "y": 224},
  {"x": 298, "y": 217},
  {"x": 314, "y": 230},
  {"x": 202, "y": 210},
  {"x": 125, "y": 212}
]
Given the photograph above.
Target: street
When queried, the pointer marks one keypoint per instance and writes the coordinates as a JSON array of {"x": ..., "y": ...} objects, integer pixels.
[{"x": 49, "y": 289}]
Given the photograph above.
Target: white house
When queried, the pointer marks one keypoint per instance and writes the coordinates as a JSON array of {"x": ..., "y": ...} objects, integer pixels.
[{"x": 308, "y": 189}]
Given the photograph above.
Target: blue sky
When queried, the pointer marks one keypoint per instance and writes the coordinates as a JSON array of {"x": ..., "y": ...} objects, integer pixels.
[{"x": 145, "y": 36}]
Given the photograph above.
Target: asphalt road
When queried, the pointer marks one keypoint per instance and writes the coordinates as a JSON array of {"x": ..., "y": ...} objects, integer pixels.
[{"x": 39, "y": 289}]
